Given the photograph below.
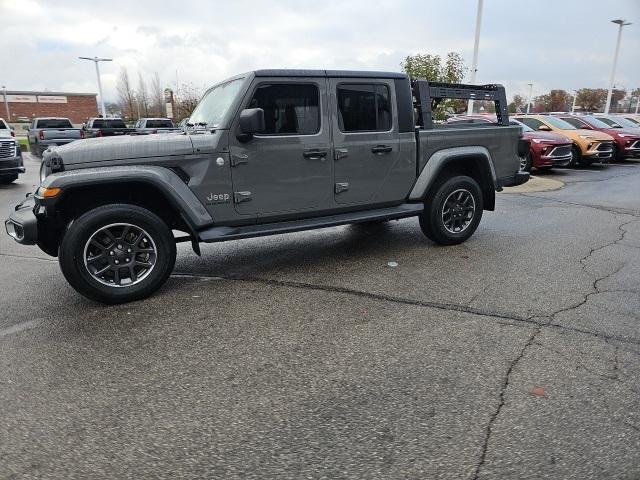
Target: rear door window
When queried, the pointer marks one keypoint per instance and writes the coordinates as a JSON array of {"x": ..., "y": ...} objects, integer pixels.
[
  {"x": 159, "y": 124},
  {"x": 574, "y": 121},
  {"x": 363, "y": 108},
  {"x": 531, "y": 122},
  {"x": 54, "y": 123}
]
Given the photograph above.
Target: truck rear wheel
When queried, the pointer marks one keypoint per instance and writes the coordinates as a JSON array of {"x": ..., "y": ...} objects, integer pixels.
[
  {"x": 117, "y": 253},
  {"x": 453, "y": 211}
]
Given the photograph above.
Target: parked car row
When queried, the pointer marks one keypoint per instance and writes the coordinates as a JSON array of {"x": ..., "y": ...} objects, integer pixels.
[{"x": 567, "y": 139}]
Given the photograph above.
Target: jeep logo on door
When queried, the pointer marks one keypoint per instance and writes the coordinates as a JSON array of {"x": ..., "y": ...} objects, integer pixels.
[{"x": 213, "y": 198}]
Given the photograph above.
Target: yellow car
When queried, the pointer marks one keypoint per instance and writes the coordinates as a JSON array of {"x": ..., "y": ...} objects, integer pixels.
[{"x": 589, "y": 146}]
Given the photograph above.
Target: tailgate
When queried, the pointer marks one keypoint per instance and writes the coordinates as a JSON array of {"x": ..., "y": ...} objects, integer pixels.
[{"x": 61, "y": 134}]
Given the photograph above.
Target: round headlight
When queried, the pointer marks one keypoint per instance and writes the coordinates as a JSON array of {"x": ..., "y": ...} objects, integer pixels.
[{"x": 43, "y": 172}]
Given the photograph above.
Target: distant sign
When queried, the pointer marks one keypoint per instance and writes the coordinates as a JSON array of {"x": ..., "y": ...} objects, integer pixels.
[
  {"x": 52, "y": 99},
  {"x": 22, "y": 98}
]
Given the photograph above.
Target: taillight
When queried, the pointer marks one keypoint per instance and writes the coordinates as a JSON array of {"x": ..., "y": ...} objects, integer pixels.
[
  {"x": 81, "y": 134},
  {"x": 154, "y": 131},
  {"x": 13, "y": 134},
  {"x": 99, "y": 134},
  {"x": 41, "y": 135}
]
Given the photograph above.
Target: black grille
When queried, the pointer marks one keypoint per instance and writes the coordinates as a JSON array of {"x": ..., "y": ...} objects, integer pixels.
[
  {"x": 561, "y": 151},
  {"x": 604, "y": 147},
  {"x": 7, "y": 149}
]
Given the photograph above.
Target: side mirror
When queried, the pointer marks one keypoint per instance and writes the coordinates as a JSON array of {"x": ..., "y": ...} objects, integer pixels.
[
  {"x": 251, "y": 122},
  {"x": 544, "y": 128}
]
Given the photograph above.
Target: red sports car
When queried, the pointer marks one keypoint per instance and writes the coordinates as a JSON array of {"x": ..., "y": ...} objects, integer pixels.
[
  {"x": 547, "y": 149},
  {"x": 627, "y": 140}
]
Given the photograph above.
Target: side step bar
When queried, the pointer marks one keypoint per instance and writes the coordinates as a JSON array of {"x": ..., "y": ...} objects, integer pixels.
[{"x": 220, "y": 234}]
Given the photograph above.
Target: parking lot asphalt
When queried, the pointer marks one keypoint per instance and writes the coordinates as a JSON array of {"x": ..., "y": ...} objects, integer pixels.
[{"x": 514, "y": 355}]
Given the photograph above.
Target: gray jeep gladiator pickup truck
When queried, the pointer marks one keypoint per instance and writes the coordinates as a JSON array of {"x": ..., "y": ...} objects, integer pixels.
[{"x": 271, "y": 151}]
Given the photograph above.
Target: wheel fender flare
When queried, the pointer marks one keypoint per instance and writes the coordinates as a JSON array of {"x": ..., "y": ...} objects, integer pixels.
[
  {"x": 440, "y": 159},
  {"x": 172, "y": 187}
]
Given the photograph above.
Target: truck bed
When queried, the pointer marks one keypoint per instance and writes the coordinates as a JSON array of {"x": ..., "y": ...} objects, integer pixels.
[{"x": 500, "y": 141}]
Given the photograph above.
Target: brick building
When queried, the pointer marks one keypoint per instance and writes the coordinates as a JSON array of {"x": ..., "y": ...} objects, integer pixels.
[{"x": 23, "y": 106}]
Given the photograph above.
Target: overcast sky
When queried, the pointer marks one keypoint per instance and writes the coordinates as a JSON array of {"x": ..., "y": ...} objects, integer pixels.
[{"x": 562, "y": 44}]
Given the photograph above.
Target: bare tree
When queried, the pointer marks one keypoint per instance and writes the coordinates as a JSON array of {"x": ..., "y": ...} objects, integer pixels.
[
  {"x": 156, "y": 96},
  {"x": 189, "y": 97},
  {"x": 126, "y": 94},
  {"x": 143, "y": 95}
]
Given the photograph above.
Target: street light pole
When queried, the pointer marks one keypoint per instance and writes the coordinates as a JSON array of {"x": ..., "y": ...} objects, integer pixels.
[
  {"x": 530, "y": 95},
  {"x": 637, "y": 104},
  {"x": 476, "y": 45},
  {"x": 621, "y": 23},
  {"x": 6, "y": 103},
  {"x": 573, "y": 106},
  {"x": 96, "y": 60}
]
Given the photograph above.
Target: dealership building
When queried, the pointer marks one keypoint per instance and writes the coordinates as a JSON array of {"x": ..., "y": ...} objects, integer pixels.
[{"x": 22, "y": 106}]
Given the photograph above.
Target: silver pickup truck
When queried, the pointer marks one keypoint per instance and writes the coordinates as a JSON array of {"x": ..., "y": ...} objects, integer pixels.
[
  {"x": 50, "y": 132},
  {"x": 148, "y": 126},
  {"x": 270, "y": 152}
]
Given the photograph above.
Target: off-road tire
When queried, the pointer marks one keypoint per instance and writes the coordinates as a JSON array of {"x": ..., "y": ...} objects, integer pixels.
[
  {"x": 433, "y": 219},
  {"x": 75, "y": 245}
]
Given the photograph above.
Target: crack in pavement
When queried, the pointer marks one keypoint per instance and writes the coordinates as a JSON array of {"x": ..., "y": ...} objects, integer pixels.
[
  {"x": 501, "y": 402},
  {"x": 362, "y": 293},
  {"x": 507, "y": 378},
  {"x": 614, "y": 210},
  {"x": 28, "y": 257},
  {"x": 571, "y": 182}
]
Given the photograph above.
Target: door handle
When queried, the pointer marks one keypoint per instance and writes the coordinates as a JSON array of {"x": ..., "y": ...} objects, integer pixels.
[
  {"x": 314, "y": 154},
  {"x": 380, "y": 149},
  {"x": 239, "y": 158},
  {"x": 341, "y": 153}
]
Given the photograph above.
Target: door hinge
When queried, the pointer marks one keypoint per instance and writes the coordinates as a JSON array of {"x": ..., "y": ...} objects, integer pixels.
[
  {"x": 237, "y": 159},
  {"x": 239, "y": 197},
  {"x": 342, "y": 187}
]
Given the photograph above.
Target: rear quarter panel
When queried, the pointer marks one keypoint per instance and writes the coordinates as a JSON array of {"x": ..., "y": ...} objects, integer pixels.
[{"x": 500, "y": 141}]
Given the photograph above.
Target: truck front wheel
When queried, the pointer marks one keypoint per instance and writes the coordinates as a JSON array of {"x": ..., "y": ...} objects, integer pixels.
[
  {"x": 452, "y": 211},
  {"x": 117, "y": 253}
]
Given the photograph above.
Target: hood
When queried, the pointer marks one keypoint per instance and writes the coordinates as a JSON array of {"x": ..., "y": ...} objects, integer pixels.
[
  {"x": 617, "y": 131},
  {"x": 592, "y": 134},
  {"x": 550, "y": 137},
  {"x": 95, "y": 150}
]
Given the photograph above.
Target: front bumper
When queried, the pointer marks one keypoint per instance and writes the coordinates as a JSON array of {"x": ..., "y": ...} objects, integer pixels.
[
  {"x": 22, "y": 224},
  {"x": 11, "y": 165},
  {"x": 633, "y": 150},
  {"x": 599, "y": 151}
]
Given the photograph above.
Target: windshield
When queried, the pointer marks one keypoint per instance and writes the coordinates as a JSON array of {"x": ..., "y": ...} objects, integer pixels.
[
  {"x": 623, "y": 122},
  {"x": 595, "y": 122},
  {"x": 633, "y": 121},
  {"x": 561, "y": 124},
  {"x": 215, "y": 103}
]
